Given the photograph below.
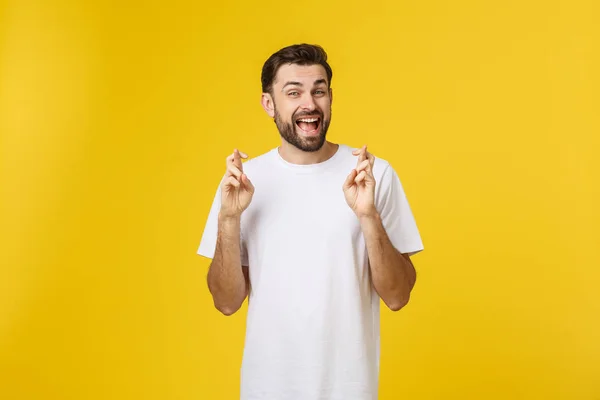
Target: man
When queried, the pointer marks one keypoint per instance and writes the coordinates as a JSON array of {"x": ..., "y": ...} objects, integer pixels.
[{"x": 314, "y": 234}]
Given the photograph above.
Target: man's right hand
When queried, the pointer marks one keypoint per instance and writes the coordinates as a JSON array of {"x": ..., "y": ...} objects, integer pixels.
[{"x": 236, "y": 190}]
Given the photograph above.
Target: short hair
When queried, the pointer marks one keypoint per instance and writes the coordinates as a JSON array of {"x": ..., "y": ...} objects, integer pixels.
[{"x": 300, "y": 54}]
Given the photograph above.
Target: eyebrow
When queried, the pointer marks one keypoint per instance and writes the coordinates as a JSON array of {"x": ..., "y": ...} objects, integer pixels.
[{"x": 293, "y": 83}]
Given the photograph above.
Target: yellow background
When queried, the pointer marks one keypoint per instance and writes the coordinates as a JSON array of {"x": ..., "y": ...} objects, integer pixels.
[{"x": 115, "y": 119}]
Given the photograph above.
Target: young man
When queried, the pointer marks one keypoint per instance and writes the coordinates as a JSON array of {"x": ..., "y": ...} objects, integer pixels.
[{"x": 314, "y": 234}]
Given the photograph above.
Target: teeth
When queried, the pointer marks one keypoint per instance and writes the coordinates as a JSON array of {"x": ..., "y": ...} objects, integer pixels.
[{"x": 309, "y": 119}]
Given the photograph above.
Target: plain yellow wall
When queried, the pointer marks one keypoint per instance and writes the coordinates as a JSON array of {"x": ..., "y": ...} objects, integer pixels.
[{"x": 115, "y": 120}]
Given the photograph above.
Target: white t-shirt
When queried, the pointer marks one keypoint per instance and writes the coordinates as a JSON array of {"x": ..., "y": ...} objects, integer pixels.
[{"x": 312, "y": 329}]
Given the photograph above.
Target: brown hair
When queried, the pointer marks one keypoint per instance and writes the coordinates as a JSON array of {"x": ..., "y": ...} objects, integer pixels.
[{"x": 300, "y": 54}]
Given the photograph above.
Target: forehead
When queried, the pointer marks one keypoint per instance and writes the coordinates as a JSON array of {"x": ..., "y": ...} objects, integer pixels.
[{"x": 305, "y": 74}]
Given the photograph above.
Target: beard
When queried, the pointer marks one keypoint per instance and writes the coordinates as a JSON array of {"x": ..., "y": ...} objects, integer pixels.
[{"x": 288, "y": 132}]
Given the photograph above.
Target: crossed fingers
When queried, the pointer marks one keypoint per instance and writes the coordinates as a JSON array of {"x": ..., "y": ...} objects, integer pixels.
[
  {"x": 235, "y": 170},
  {"x": 364, "y": 165},
  {"x": 234, "y": 164}
]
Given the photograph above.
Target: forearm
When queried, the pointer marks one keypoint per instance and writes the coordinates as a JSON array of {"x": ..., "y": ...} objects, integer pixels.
[
  {"x": 392, "y": 273},
  {"x": 226, "y": 280}
]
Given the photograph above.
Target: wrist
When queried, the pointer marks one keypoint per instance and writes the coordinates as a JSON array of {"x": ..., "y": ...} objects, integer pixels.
[
  {"x": 228, "y": 217},
  {"x": 371, "y": 216}
]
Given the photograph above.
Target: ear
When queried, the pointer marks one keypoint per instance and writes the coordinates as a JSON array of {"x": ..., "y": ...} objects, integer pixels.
[
  {"x": 330, "y": 95},
  {"x": 268, "y": 104}
]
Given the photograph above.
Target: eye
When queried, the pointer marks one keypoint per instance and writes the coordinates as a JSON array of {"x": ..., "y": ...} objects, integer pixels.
[
  {"x": 293, "y": 94},
  {"x": 319, "y": 92}
]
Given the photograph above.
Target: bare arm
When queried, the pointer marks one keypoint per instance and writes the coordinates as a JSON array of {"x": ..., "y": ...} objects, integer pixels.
[
  {"x": 392, "y": 272},
  {"x": 227, "y": 279}
]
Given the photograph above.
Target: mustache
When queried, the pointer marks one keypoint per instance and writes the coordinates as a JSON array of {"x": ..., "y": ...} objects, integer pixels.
[{"x": 307, "y": 114}]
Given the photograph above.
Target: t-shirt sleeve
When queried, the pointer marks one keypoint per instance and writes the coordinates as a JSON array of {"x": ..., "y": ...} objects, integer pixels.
[
  {"x": 208, "y": 243},
  {"x": 396, "y": 214}
]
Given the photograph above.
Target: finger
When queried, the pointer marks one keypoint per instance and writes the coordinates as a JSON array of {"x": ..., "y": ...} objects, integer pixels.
[
  {"x": 371, "y": 159},
  {"x": 232, "y": 182},
  {"x": 360, "y": 158},
  {"x": 247, "y": 183},
  {"x": 363, "y": 165},
  {"x": 360, "y": 177},
  {"x": 232, "y": 170},
  {"x": 358, "y": 151},
  {"x": 237, "y": 158},
  {"x": 363, "y": 154},
  {"x": 239, "y": 154},
  {"x": 350, "y": 179},
  {"x": 230, "y": 161}
]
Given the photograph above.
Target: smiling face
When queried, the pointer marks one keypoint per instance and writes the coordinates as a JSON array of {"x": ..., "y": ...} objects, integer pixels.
[{"x": 300, "y": 103}]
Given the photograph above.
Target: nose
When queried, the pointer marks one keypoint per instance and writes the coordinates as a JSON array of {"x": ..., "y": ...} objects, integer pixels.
[{"x": 308, "y": 103}]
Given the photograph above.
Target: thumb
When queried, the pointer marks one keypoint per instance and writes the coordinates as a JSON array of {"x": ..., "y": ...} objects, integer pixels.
[
  {"x": 350, "y": 179},
  {"x": 247, "y": 183}
]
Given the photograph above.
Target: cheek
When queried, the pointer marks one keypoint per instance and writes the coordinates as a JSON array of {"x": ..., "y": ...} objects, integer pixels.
[
  {"x": 325, "y": 105},
  {"x": 285, "y": 115},
  {"x": 286, "y": 110}
]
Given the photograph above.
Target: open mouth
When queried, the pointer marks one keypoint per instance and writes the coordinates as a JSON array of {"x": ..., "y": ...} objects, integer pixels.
[{"x": 309, "y": 125}]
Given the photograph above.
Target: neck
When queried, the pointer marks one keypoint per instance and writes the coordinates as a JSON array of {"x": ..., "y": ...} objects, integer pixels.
[{"x": 294, "y": 155}]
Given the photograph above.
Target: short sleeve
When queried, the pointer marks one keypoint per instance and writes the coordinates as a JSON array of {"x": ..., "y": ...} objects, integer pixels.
[
  {"x": 396, "y": 214},
  {"x": 208, "y": 243}
]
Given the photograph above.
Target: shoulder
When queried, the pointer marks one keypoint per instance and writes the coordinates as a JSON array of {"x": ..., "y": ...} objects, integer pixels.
[{"x": 382, "y": 167}]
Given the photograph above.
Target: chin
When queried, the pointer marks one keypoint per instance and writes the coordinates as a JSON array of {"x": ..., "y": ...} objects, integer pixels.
[{"x": 311, "y": 143}]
